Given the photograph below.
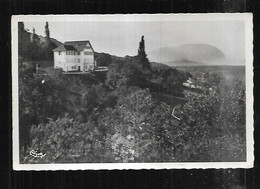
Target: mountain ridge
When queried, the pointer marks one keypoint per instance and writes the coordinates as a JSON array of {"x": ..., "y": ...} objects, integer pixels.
[{"x": 189, "y": 54}]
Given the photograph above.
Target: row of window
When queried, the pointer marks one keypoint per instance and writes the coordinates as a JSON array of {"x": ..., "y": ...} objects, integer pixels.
[
  {"x": 86, "y": 60},
  {"x": 88, "y": 53},
  {"x": 75, "y": 60},
  {"x": 72, "y": 53},
  {"x": 76, "y": 53}
]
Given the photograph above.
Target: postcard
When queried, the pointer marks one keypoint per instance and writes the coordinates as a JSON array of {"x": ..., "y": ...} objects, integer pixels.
[{"x": 132, "y": 91}]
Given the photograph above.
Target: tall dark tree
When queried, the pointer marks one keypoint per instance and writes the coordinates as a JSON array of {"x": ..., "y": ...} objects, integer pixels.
[
  {"x": 142, "y": 54},
  {"x": 47, "y": 33},
  {"x": 33, "y": 36},
  {"x": 48, "y": 44}
]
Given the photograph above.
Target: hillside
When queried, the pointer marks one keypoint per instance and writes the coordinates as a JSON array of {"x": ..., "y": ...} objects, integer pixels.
[
  {"x": 55, "y": 41},
  {"x": 33, "y": 47}
]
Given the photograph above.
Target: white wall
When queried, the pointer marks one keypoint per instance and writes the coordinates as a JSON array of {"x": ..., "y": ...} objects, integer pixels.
[
  {"x": 87, "y": 60},
  {"x": 67, "y": 61},
  {"x": 59, "y": 60}
]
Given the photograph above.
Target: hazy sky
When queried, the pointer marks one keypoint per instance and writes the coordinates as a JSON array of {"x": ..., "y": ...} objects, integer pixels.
[{"x": 122, "y": 38}]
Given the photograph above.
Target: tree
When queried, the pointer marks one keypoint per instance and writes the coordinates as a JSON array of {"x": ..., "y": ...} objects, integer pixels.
[
  {"x": 33, "y": 36},
  {"x": 34, "y": 51},
  {"x": 172, "y": 81},
  {"x": 212, "y": 126},
  {"x": 47, "y": 33},
  {"x": 123, "y": 73},
  {"x": 142, "y": 54},
  {"x": 48, "y": 46},
  {"x": 142, "y": 128},
  {"x": 66, "y": 140}
]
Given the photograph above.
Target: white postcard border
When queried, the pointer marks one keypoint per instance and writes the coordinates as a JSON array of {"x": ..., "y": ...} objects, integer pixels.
[{"x": 246, "y": 17}]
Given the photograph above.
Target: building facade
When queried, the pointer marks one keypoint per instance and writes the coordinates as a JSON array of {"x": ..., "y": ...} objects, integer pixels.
[{"x": 74, "y": 56}]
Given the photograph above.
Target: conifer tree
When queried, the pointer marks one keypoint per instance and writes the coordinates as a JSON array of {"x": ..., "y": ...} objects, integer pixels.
[
  {"x": 47, "y": 33},
  {"x": 33, "y": 36},
  {"x": 142, "y": 54}
]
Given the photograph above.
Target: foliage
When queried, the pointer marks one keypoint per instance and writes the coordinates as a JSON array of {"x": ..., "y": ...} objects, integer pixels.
[
  {"x": 30, "y": 46},
  {"x": 40, "y": 98},
  {"x": 102, "y": 59},
  {"x": 127, "y": 123},
  {"x": 123, "y": 74},
  {"x": 66, "y": 140},
  {"x": 141, "y": 128},
  {"x": 212, "y": 127},
  {"x": 172, "y": 81}
]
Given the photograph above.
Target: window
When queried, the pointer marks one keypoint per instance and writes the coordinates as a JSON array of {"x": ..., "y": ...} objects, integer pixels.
[
  {"x": 88, "y": 53},
  {"x": 67, "y": 52},
  {"x": 59, "y": 53},
  {"x": 78, "y": 53},
  {"x": 79, "y": 60}
]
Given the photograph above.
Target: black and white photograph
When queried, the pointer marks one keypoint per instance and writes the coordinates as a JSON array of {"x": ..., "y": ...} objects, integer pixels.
[{"x": 133, "y": 91}]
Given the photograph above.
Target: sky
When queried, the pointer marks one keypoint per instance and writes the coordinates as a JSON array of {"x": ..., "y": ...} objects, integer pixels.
[{"x": 122, "y": 38}]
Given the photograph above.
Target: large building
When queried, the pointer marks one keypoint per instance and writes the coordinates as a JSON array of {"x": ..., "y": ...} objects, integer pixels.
[{"x": 74, "y": 56}]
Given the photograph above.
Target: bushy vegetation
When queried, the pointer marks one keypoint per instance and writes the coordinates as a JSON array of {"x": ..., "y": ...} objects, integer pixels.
[
  {"x": 115, "y": 117},
  {"x": 31, "y": 47}
]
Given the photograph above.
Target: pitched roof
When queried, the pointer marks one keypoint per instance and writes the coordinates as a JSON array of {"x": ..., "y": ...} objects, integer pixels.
[
  {"x": 73, "y": 46},
  {"x": 79, "y": 45},
  {"x": 59, "y": 48},
  {"x": 69, "y": 48},
  {"x": 65, "y": 48}
]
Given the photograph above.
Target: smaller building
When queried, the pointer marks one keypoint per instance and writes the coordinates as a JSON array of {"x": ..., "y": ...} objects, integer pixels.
[
  {"x": 74, "y": 56},
  {"x": 194, "y": 84}
]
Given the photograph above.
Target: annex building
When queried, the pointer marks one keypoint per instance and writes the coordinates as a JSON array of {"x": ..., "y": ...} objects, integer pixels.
[{"x": 74, "y": 56}]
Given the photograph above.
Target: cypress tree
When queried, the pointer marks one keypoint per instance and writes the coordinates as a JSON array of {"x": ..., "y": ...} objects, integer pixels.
[
  {"x": 47, "y": 33},
  {"x": 142, "y": 54},
  {"x": 33, "y": 36}
]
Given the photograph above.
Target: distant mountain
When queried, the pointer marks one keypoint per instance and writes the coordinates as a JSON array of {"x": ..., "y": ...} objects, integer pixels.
[{"x": 188, "y": 54}]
